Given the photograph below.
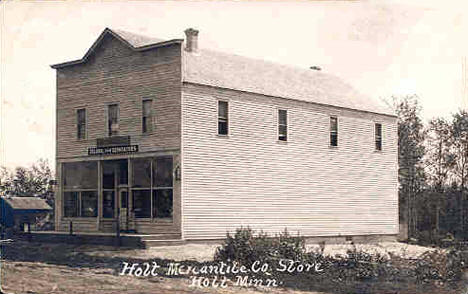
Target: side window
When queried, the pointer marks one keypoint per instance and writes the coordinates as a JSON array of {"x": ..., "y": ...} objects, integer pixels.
[
  {"x": 113, "y": 119},
  {"x": 81, "y": 123},
  {"x": 223, "y": 124},
  {"x": 378, "y": 137},
  {"x": 282, "y": 125},
  {"x": 147, "y": 116},
  {"x": 333, "y": 131}
]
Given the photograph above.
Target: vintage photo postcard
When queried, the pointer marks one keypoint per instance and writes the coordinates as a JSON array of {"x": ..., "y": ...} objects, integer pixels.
[{"x": 229, "y": 147}]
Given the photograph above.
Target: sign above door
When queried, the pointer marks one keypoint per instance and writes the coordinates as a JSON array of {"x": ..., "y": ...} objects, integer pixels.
[{"x": 112, "y": 150}]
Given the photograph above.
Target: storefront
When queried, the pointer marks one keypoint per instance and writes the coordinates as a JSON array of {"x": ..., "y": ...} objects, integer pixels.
[{"x": 132, "y": 194}]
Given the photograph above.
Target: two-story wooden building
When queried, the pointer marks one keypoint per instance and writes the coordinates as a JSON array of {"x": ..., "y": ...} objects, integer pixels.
[{"x": 165, "y": 137}]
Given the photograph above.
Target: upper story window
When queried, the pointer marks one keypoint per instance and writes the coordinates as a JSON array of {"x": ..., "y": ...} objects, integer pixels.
[
  {"x": 223, "y": 117},
  {"x": 333, "y": 131},
  {"x": 81, "y": 123},
  {"x": 147, "y": 116},
  {"x": 378, "y": 137},
  {"x": 113, "y": 119},
  {"x": 282, "y": 125}
]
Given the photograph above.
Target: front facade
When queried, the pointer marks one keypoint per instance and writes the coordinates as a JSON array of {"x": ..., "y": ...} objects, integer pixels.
[{"x": 160, "y": 137}]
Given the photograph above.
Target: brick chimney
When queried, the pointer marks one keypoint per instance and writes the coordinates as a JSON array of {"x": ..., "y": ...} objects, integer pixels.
[{"x": 191, "y": 44}]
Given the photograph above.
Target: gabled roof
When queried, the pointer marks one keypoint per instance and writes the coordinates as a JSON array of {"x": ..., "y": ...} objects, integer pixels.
[
  {"x": 230, "y": 71},
  {"x": 134, "y": 41},
  {"x": 27, "y": 203},
  {"x": 236, "y": 72}
]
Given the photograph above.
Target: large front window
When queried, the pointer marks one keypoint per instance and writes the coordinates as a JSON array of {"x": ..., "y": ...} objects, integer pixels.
[
  {"x": 152, "y": 187},
  {"x": 80, "y": 184}
]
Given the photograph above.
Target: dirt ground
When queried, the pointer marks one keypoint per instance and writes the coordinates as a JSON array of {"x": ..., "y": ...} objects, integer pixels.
[
  {"x": 59, "y": 268},
  {"x": 28, "y": 277}
]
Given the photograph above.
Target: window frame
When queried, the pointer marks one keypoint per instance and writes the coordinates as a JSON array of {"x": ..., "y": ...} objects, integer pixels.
[
  {"x": 278, "y": 124},
  {"x": 153, "y": 188},
  {"x": 332, "y": 132},
  {"x": 85, "y": 133},
  {"x": 378, "y": 139},
  {"x": 149, "y": 122},
  {"x": 79, "y": 197},
  {"x": 228, "y": 110},
  {"x": 108, "y": 105}
]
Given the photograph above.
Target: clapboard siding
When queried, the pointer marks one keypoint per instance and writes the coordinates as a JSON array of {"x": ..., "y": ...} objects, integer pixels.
[
  {"x": 250, "y": 178},
  {"x": 116, "y": 74}
]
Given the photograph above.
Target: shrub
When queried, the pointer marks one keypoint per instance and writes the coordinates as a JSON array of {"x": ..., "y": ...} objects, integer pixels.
[
  {"x": 247, "y": 247},
  {"x": 355, "y": 266},
  {"x": 439, "y": 266}
]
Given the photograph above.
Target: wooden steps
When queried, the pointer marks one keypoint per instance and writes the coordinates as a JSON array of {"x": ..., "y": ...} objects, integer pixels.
[{"x": 156, "y": 240}]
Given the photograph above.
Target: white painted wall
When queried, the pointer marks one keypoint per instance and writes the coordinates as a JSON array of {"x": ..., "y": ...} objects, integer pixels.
[{"x": 251, "y": 179}]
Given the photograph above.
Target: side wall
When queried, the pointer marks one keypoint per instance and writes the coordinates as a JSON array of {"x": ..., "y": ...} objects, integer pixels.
[{"x": 251, "y": 179}]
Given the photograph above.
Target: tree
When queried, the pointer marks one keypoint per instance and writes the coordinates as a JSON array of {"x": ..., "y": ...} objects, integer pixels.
[
  {"x": 460, "y": 152},
  {"x": 6, "y": 181},
  {"x": 439, "y": 159},
  {"x": 439, "y": 162},
  {"x": 30, "y": 181},
  {"x": 411, "y": 150}
]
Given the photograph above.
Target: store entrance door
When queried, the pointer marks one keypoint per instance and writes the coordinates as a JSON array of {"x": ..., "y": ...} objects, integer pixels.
[{"x": 123, "y": 209}]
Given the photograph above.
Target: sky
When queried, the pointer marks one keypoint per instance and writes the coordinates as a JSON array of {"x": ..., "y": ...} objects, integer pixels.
[{"x": 382, "y": 48}]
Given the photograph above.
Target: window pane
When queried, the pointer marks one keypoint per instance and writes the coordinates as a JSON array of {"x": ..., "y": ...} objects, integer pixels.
[
  {"x": 222, "y": 118},
  {"x": 112, "y": 170},
  {"x": 80, "y": 175},
  {"x": 89, "y": 201},
  {"x": 113, "y": 116},
  {"x": 81, "y": 115},
  {"x": 81, "y": 132},
  {"x": 108, "y": 175},
  {"x": 108, "y": 198},
  {"x": 70, "y": 204},
  {"x": 142, "y": 203},
  {"x": 282, "y": 133},
  {"x": 378, "y": 145},
  {"x": 147, "y": 107},
  {"x": 113, "y": 112},
  {"x": 146, "y": 120},
  {"x": 147, "y": 125},
  {"x": 222, "y": 127},
  {"x": 81, "y": 123},
  {"x": 222, "y": 109},
  {"x": 282, "y": 117},
  {"x": 333, "y": 131},
  {"x": 162, "y": 201},
  {"x": 162, "y": 172},
  {"x": 142, "y": 173},
  {"x": 124, "y": 199},
  {"x": 333, "y": 124},
  {"x": 378, "y": 136},
  {"x": 333, "y": 139}
]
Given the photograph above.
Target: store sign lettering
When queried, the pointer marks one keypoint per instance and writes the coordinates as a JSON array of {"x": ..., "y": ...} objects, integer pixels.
[{"x": 112, "y": 150}]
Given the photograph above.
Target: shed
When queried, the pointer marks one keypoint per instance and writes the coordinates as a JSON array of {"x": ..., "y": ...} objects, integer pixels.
[{"x": 17, "y": 211}]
